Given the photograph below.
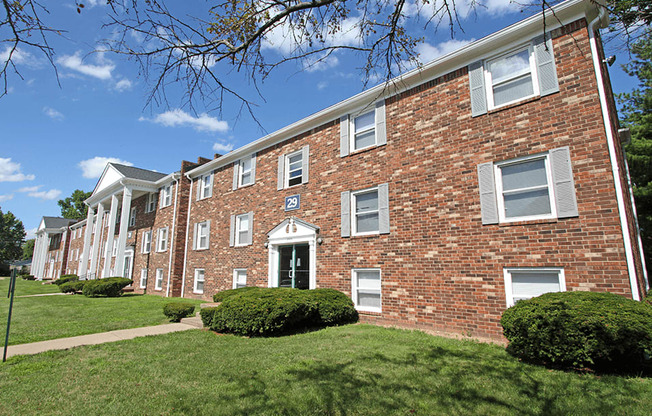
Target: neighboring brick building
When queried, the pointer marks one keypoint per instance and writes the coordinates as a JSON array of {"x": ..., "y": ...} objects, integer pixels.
[{"x": 492, "y": 174}]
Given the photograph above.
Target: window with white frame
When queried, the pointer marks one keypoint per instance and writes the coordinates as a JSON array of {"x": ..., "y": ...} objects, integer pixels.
[
  {"x": 77, "y": 254},
  {"x": 365, "y": 212},
  {"x": 363, "y": 131},
  {"x": 202, "y": 231},
  {"x": 293, "y": 169},
  {"x": 242, "y": 227},
  {"x": 245, "y": 176},
  {"x": 132, "y": 217},
  {"x": 114, "y": 249},
  {"x": 198, "y": 286},
  {"x": 526, "y": 283},
  {"x": 366, "y": 289},
  {"x": 147, "y": 241},
  {"x": 239, "y": 278},
  {"x": 143, "y": 278},
  {"x": 523, "y": 189},
  {"x": 166, "y": 196},
  {"x": 158, "y": 284},
  {"x": 151, "y": 202},
  {"x": 162, "y": 239},
  {"x": 206, "y": 186},
  {"x": 511, "y": 77}
]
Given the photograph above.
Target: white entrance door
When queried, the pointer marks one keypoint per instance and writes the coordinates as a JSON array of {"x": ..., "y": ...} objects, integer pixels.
[
  {"x": 292, "y": 257},
  {"x": 129, "y": 262}
]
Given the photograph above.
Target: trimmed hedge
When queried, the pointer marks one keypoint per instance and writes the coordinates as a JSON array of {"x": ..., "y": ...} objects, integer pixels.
[
  {"x": 600, "y": 331},
  {"x": 27, "y": 277},
  {"x": 65, "y": 278},
  {"x": 177, "y": 310},
  {"x": 220, "y": 296},
  {"x": 276, "y": 311},
  {"x": 73, "y": 286},
  {"x": 109, "y": 286}
]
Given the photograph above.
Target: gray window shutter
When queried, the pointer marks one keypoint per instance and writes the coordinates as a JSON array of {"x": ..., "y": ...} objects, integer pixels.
[
  {"x": 236, "y": 170},
  {"x": 280, "y": 179},
  {"x": 305, "y": 163},
  {"x": 488, "y": 203},
  {"x": 232, "y": 232},
  {"x": 383, "y": 208},
  {"x": 478, "y": 93},
  {"x": 381, "y": 131},
  {"x": 253, "y": 168},
  {"x": 346, "y": 214},
  {"x": 208, "y": 233},
  {"x": 194, "y": 239},
  {"x": 546, "y": 70},
  {"x": 562, "y": 178},
  {"x": 344, "y": 136},
  {"x": 250, "y": 233}
]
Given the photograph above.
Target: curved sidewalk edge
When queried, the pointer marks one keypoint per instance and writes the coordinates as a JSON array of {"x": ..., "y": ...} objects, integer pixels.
[{"x": 93, "y": 339}]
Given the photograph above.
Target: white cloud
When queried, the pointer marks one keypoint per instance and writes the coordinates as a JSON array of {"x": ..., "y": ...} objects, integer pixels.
[
  {"x": 428, "y": 52},
  {"x": 52, "y": 113},
  {"x": 4, "y": 198},
  {"x": 123, "y": 85},
  {"x": 321, "y": 85},
  {"x": 178, "y": 117},
  {"x": 10, "y": 171},
  {"x": 35, "y": 192},
  {"x": 20, "y": 57},
  {"x": 93, "y": 168},
  {"x": 222, "y": 147},
  {"x": 321, "y": 64},
  {"x": 74, "y": 62},
  {"x": 31, "y": 233}
]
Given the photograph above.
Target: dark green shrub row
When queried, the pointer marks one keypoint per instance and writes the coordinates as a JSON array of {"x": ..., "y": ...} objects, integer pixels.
[
  {"x": 66, "y": 278},
  {"x": 27, "y": 277},
  {"x": 220, "y": 296},
  {"x": 73, "y": 286},
  {"x": 602, "y": 331},
  {"x": 177, "y": 310},
  {"x": 109, "y": 286},
  {"x": 276, "y": 311}
]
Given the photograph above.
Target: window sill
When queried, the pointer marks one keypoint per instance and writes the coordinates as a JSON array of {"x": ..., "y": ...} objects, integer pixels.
[
  {"x": 197, "y": 293},
  {"x": 201, "y": 249},
  {"x": 206, "y": 197},
  {"x": 369, "y": 311},
  {"x": 158, "y": 290},
  {"x": 364, "y": 150},
  {"x": 375, "y": 234},
  {"x": 245, "y": 186},
  {"x": 529, "y": 222},
  {"x": 514, "y": 104}
]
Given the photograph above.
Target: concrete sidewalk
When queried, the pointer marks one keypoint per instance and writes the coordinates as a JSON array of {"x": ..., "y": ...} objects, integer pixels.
[{"x": 93, "y": 339}]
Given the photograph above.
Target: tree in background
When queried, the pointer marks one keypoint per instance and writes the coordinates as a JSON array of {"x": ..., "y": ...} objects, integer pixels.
[
  {"x": 28, "y": 249},
  {"x": 12, "y": 235},
  {"x": 73, "y": 207},
  {"x": 636, "y": 113}
]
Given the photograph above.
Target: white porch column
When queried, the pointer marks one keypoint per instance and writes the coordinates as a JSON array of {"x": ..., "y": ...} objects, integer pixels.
[
  {"x": 122, "y": 236},
  {"x": 97, "y": 227},
  {"x": 41, "y": 252},
  {"x": 110, "y": 236},
  {"x": 35, "y": 256},
  {"x": 87, "y": 242}
]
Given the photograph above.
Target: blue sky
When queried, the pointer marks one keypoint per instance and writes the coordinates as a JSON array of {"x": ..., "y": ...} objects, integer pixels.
[{"x": 56, "y": 139}]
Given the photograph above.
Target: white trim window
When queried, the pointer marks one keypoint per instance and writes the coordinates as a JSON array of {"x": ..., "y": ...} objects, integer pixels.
[
  {"x": 363, "y": 131},
  {"x": 511, "y": 77},
  {"x": 162, "y": 239},
  {"x": 245, "y": 175},
  {"x": 143, "y": 278},
  {"x": 202, "y": 232},
  {"x": 239, "y": 278},
  {"x": 526, "y": 283},
  {"x": 294, "y": 169},
  {"x": 242, "y": 227},
  {"x": 365, "y": 212},
  {"x": 114, "y": 248},
  {"x": 147, "y": 242},
  {"x": 151, "y": 202},
  {"x": 523, "y": 189},
  {"x": 366, "y": 289},
  {"x": 206, "y": 186},
  {"x": 166, "y": 196},
  {"x": 158, "y": 285},
  {"x": 132, "y": 217},
  {"x": 198, "y": 286}
]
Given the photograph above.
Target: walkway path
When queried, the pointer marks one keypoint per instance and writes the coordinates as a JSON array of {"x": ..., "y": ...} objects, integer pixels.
[
  {"x": 101, "y": 338},
  {"x": 44, "y": 294}
]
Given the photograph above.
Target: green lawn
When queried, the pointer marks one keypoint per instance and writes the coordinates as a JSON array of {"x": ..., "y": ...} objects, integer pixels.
[
  {"x": 350, "y": 370},
  {"x": 26, "y": 287},
  {"x": 48, "y": 317}
]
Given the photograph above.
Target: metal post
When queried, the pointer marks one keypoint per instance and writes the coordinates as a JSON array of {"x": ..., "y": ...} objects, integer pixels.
[{"x": 12, "y": 288}]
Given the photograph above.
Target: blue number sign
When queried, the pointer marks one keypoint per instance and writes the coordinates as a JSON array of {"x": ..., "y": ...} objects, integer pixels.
[{"x": 292, "y": 202}]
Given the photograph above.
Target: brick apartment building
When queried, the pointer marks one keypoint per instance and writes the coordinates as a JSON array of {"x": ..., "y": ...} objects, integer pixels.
[{"x": 492, "y": 174}]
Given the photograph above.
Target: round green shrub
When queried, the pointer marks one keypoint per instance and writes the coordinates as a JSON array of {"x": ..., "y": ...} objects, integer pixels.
[
  {"x": 601, "y": 331},
  {"x": 207, "y": 316},
  {"x": 73, "y": 286},
  {"x": 65, "y": 278},
  {"x": 177, "y": 310},
  {"x": 109, "y": 286},
  {"x": 220, "y": 296},
  {"x": 333, "y": 307}
]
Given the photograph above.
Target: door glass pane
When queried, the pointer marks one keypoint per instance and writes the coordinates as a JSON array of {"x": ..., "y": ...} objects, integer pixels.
[
  {"x": 302, "y": 267},
  {"x": 285, "y": 266}
]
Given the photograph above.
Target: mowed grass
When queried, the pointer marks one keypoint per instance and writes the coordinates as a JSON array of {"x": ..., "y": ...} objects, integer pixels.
[
  {"x": 49, "y": 317},
  {"x": 349, "y": 370},
  {"x": 26, "y": 287}
]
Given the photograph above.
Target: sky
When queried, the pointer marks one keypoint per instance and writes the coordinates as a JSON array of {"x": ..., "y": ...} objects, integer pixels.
[{"x": 57, "y": 135}]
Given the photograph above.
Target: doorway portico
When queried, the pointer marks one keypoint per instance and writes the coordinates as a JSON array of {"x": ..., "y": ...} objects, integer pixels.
[{"x": 292, "y": 251}]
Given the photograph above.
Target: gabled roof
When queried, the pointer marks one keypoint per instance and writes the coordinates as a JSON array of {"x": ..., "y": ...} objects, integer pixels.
[
  {"x": 57, "y": 222},
  {"x": 138, "y": 173}
]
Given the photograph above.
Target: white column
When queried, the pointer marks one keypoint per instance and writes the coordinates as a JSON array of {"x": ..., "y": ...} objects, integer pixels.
[
  {"x": 122, "y": 236},
  {"x": 109, "y": 239},
  {"x": 87, "y": 242},
  {"x": 97, "y": 227},
  {"x": 40, "y": 248},
  {"x": 35, "y": 255}
]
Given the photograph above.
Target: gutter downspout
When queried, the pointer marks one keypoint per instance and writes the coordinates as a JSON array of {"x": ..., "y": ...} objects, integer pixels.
[
  {"x": 174, "y": 223},
  {"x": 185, "y": 250},
  {"x": 613, "y": 156}
]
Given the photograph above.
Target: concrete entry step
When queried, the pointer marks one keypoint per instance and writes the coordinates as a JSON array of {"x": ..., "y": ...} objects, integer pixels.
[
  {"x": 209, "y": 305},
  {"x": 193, "y": 321}
]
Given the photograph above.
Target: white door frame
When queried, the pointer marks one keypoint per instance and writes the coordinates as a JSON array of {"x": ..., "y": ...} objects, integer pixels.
[{"x": 292, "y": 231}]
